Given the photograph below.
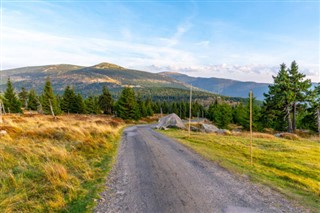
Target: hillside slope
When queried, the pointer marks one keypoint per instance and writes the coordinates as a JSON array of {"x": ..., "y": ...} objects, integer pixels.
[
  {"x": 90, "y": 80},
  {"x": 226, "y": 87}
]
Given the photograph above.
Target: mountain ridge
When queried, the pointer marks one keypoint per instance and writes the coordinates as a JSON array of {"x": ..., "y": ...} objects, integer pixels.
[
  {"x": 90, "y": 80},
  {"x": 223, "y": 86}
]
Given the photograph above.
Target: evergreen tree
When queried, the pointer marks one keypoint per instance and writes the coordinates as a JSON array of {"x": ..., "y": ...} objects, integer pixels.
[
  {"x": 316, "y": 106},
  {"x": 237, "y": 114},
  {"x": 79, "y": 103},
  {"x": 23, "y": 96},
  {"x": 164, "y": 107},
  {"x": 156, "y": 107},
  {"x": 174, "y": 108},
  {"x": 220, "y": 114},
  {"x": 278, "y": 102},
  {"x": 183, "y": 110},
  {"x": 142, "y": 106},
  {"x": 92, "y": 105},
  {"x": 11, "y": 101},
  {"x": 33, "y": 101},
  {"x": 106, "y": 101},
  {"x": 127, "y": 107},
  {"x": 48, "y": 98},
  {"x": 68, "y": 101},
  {"x": 299, "y": 88},
  {"x": 311, "y": 118},
  {"x": 149, "y": 104}
]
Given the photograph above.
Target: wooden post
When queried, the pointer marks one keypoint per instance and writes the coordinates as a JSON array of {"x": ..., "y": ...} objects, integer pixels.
[
  {"x": 251, "y": 127},
  {"x": 190, "y": 114}
]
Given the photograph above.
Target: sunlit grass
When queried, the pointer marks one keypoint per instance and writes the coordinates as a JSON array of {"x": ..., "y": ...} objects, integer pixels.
[
  {"x": 55, "y": 165},
  {"x": 289, "y": 166}
]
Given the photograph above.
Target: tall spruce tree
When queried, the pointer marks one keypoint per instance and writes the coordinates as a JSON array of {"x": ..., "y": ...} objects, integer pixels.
[
  {"x": 149, "y": 109},
  {"x": 299, "y": 89},
  {"x": 33, "y": 100},
  {"x": 126, "y": 106},
  {"x": 278, "y": 102},
  {"x": 23, "y": 96},
  {"x": 106, "y": 101},
  {"x": 92, "y": 105},
  {"x": 142, "y": 106},
  {"x": 312, "y": 117},
  {"x": 79, "y": 103},
  {"x": 68, "y": 102},
  {"x": 48, "y": 98},
  {"x": 220, "y": 114},
  {"x": 182, "y": 110},
  {"x": 11, "y": 101}
]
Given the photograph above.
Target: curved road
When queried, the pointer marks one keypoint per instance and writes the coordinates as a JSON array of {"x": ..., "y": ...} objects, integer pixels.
[{"x": 156, "y": 174}]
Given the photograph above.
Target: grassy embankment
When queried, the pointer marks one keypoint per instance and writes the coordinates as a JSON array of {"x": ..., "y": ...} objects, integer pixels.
[
  {"x": 55, "y": 165},
  {"x": 289, "y": 166}
]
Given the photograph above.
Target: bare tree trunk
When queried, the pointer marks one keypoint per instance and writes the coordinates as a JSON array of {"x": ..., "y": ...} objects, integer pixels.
[
  {"x": 289, "y": 120},
  {"x": 294, "y": 116},
  {"x": 3, "y": 108},
  {"x": 51, "y": 109}
]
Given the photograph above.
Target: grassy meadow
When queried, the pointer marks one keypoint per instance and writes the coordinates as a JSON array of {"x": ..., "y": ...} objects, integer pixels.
[
  {"x": 292, "y": 167},
  {"x": 50, "y": 165}
]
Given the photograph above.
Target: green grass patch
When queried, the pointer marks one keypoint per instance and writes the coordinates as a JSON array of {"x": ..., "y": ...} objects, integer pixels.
[{"x": 292, "y": 167}]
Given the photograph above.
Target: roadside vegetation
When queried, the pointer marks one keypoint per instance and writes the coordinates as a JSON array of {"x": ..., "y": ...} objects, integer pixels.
[
  {"x": 50, "y": 165},
  {"x": 57, "y": 159},
  {"x": 289, "y": 166},
  {"x": 291, "y": 104}
]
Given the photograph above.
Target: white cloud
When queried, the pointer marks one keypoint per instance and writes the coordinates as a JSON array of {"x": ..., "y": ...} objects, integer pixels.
[
  {"x": 25, "y": 48},
  {"x": 256, "y": 73}
]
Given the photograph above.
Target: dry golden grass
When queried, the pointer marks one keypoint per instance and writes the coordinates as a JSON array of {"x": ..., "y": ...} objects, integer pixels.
[
  {"x": 287, "y": 165},
  {"x": 55, "y": 165},
  {"x": 257, "y": 135}
]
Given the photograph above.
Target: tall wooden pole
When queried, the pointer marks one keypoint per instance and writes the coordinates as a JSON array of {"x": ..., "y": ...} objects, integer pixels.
[
  {"x": 190, "y": 114},
  {"x": 251, "y": 127}
]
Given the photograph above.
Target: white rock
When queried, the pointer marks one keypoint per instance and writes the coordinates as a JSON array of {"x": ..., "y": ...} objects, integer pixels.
[{"x": 171, "y": 121}]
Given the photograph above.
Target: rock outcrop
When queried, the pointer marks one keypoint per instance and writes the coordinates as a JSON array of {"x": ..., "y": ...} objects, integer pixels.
[{"x": 171, "y": 121}]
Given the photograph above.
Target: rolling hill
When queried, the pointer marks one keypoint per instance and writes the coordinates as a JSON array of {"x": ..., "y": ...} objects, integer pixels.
[
  {"x": 90, "y": 80},
  {"x": 225, "y": 87}
]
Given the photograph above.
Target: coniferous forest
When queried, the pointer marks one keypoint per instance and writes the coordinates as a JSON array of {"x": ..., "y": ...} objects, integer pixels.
[{"x": 289, "y": 105}]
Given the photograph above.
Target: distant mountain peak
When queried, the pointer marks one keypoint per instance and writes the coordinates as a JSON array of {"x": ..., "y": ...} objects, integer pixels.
[
  {"x": 170, "y": 73},
  {"x": 106, "y": 65}
]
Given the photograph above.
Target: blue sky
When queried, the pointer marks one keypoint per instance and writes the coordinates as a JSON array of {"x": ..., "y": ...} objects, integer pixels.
[{"x": 244, "y": 40}]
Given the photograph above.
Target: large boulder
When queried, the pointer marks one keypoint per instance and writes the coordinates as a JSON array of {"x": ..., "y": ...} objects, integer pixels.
[
  {"x": 170, "y": 121},
  {"x": 209, "y": 128}
]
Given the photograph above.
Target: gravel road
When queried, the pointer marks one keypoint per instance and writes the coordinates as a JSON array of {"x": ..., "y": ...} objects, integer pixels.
[{"x": 156, "y": 174}]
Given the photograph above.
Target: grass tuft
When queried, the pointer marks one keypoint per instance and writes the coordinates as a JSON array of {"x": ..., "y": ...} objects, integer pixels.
[{"x": 55, "y": 165}]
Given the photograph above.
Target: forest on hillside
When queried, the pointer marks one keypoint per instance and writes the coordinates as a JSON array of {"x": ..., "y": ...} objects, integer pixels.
[{"x": 289, "y": 105}]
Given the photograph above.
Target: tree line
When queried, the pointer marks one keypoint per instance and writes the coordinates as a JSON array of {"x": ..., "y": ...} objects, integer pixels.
[
  {"x": 289, "y": 104},
  {"x": 128, "y": 106}
]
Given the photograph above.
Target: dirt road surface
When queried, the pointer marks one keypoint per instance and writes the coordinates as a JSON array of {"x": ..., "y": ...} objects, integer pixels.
[{"x": 156, "y": 174}]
